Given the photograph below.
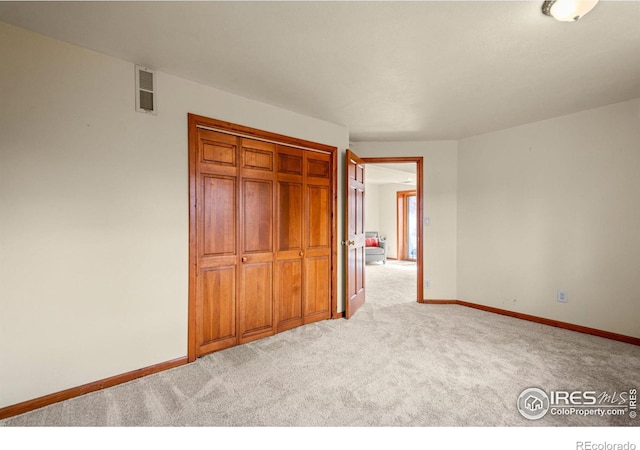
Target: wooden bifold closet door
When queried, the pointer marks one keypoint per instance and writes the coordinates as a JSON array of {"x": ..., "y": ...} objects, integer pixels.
[{"x": 263, "y": 237}]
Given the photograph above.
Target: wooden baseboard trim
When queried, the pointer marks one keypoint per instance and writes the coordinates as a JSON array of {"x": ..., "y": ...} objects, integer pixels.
[
  {"x": 555, "y": 323},
  {"x": 440, "y": 302},
  {"x": 551, "y": 322},
  {"x": 30, "y": 405}
]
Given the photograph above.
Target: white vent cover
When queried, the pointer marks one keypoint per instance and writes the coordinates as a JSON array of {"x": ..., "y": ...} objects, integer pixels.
[{"x": 146, "y": 98}]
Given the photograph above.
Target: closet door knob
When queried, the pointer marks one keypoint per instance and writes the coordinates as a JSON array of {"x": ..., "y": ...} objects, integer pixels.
[
  {"x": 301, "y": 253},
  {"x": 244, "y": 259}
]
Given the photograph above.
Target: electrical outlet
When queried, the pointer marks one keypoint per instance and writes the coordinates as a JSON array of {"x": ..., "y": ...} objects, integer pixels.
[
  {"x": 562, "y": 296},
  {"x": 427, "y": 284}
]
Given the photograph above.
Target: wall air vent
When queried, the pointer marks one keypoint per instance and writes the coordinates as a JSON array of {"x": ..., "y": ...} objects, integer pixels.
[{"x": 146, "y": 95}]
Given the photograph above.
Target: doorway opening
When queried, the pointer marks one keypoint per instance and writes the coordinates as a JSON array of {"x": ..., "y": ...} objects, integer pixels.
[
  {"x": 407, "y": 226},
  {"x": 395, "y": 193}
]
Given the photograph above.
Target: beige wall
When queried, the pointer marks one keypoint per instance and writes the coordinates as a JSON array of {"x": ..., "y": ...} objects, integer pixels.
[
  {"x": 372, "y": 207},
  {"x": 440, "y": 185},
  {"x": 555, "y": 205},
  {"x": 94, "y": 212}
]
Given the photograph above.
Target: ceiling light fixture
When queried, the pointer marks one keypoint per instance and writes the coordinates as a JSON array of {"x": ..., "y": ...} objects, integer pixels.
[{"x": 568, "y": 10}]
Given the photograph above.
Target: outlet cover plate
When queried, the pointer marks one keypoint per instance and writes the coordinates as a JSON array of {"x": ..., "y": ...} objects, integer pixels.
[{"x": 562, "y": 296}]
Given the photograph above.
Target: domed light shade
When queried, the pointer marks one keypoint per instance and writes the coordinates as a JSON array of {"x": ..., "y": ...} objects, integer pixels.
[{"x": 568, "y": 10}]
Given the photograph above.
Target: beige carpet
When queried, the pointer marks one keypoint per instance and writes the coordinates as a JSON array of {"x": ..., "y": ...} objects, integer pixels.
[
  {"x": 395, "y": 363},
  {"x": 392, "y": 283}
]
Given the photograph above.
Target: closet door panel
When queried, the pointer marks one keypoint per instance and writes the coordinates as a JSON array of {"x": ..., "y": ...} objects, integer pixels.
[
  {"x": 217, "y": 150},
  {"x": 290, "y": 237},
  {"x": 290, "y": 293},
  {"x": 318, "y": 289},
  {"x": 257, "y": 155},
  {"x": 218, "y": 215},
  {"x": 318, "y": 201},
  {"x": 216, "y": 241},
  {"x": 256, "y": 309},
  {"x": 290, "y": 216},
  {"x": 290, "y": 254},
  {"x": 217, "y": 301},
  {"x": 319, "y": 228},
  {"x": 257, "y": 216},
  {"x": 290, "y": 161},
  {"x": 256, "y": 300},
  {"x": 317, "y": 273}
]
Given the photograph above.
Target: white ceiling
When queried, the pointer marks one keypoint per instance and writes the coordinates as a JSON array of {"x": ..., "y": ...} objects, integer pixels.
[
  {"x": 396, "y": 173},
  {"x": 386, "y": 70}
]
